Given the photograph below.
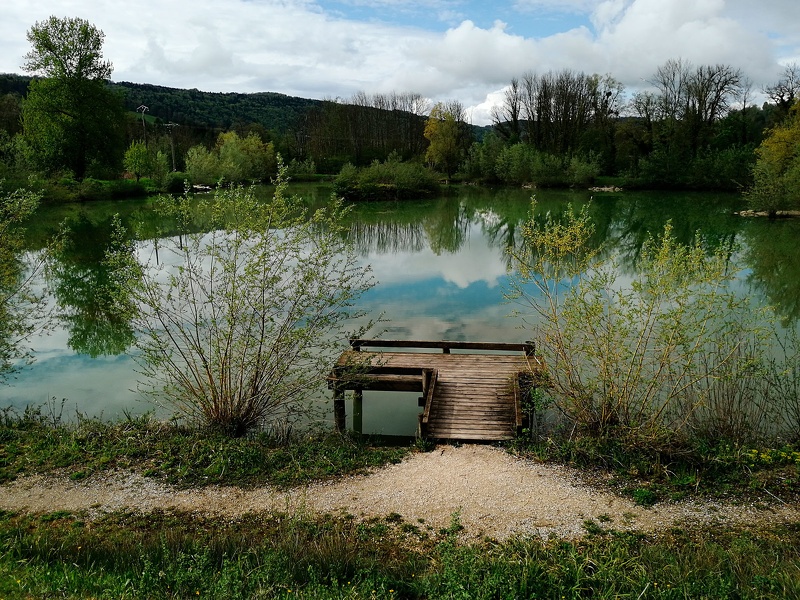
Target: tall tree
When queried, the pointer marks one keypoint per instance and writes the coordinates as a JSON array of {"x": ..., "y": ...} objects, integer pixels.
[
  {"x": 786, "y": 90},
  {"x": 70, "y": 117},
  {"x": 777, "y": 170},
  {"x": 446, "y": 131}
]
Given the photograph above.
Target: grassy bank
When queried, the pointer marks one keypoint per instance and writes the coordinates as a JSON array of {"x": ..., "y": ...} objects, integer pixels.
[
  {"x": 35, "y": 443},
  {"x": 168, "y": 555},
  {"x": 275, "y": 555}
]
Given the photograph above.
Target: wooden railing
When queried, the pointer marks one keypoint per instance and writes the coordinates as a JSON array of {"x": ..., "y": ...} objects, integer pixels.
[
  {"x": 429, "y": 388},
  {"x": 529, "y": 348}
]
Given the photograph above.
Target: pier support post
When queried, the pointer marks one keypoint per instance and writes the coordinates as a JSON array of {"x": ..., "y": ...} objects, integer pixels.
[
  {"x": 358, "y": 411},
  {"x": 338, "y": 409}
]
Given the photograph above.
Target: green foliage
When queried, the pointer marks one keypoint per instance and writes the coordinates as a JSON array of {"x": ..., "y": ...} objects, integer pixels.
[
  {"x": 389, "y": 180},
  {"x": 671, "y": 167},
  {"x": 443, "y": 130},
  {"x": 301, "y": 170},
  {"x": 274, "y": 112},
  {"x": 71, "y": 119},
  {"x": 522, "y": 164},
  {"x": 241, "y": 325},
  {"x": 138, "y": 160},
  {"x": 670, "y": 355},
  {"x": 68, "y": 48},
  {"x": 777, "y": 170},
  {"x": 233, "y": 159},
  {"x": 23, "y": 307}
]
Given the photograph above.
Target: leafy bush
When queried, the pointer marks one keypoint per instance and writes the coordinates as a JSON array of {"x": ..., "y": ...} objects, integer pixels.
[
  {"x": 233, "y": 159},
  {"x": 240, "y": 324},
  {"x": 670, "y": 355},
  {"x": 523, "y": 164},
  {"x": 389, "y": 180}
]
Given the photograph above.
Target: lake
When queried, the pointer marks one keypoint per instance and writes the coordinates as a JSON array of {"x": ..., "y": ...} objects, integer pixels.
[{"x": 441, "y": 267}]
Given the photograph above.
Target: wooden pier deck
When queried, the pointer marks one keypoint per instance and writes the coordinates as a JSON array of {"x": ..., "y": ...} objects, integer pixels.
[{"x": 472, "y": 394}]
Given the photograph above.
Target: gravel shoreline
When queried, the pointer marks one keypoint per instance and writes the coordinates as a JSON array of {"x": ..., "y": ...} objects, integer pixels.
[{"x": 493, "y": 493}]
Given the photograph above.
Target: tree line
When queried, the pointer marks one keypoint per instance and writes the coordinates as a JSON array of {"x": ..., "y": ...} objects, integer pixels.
[{"x": 695, "y": 127}]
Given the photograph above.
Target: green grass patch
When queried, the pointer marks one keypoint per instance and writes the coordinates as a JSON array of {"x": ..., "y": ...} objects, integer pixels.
[
  {"x": 648, "y": 475},
  {"x": 34, "y": 443},
  {"x": 175, "y": 555}
]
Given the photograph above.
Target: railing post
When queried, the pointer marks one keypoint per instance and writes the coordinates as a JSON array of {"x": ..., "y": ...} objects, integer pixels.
[
  {"x": 338, "y": 409},
  {"x": 358, "y": 410}
]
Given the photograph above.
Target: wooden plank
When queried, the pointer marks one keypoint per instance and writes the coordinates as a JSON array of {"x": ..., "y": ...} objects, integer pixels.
[{"x": 527, "y": 347}]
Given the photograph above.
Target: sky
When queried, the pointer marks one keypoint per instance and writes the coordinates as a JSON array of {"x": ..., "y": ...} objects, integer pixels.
[{"x": 461, "y": 50}]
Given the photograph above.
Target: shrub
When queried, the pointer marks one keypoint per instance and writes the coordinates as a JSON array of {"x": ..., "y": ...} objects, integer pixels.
[
  {"x": 389, "y": 180},
  {"x": 239, "y": 325},
  {"x": 671, "y": 354}
]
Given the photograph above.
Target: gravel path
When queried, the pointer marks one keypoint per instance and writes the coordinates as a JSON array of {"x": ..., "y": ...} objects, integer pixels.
[{"x": 495, "y": 494}]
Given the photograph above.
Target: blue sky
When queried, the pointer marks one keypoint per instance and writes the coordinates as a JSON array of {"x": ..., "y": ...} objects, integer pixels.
[{"x": 443, "y": 49}]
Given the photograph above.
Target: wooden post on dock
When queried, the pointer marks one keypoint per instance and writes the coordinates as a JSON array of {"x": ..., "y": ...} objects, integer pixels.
[
  {"x": 338, "y": 409},
  {"x": 358, "y": 410}
]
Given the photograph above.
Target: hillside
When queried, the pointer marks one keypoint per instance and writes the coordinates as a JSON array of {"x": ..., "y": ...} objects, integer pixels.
[{"x": 276, "y": 112}]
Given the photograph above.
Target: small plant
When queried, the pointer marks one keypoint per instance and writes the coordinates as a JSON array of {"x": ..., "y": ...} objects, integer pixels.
[{"x": 644, "y": 497}]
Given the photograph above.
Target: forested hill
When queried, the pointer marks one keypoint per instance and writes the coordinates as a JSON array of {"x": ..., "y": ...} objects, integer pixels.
[{"x": 275, "y": 112}]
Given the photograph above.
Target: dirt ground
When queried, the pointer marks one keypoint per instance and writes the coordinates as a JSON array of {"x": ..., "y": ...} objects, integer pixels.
[{"x": 494, "y": 494}]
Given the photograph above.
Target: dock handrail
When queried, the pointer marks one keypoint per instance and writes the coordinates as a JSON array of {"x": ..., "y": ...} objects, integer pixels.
[
  {"x": 518, "y": 416},
  {"x": 529, "y": 348},
  {"x": 430, "y": 377},
  {"x": 377, "y": 377}
]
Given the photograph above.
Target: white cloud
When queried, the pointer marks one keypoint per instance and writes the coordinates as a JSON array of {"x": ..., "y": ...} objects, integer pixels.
[
  {"x": 317, "y": 50},
  {"x": 557, "y": 6}
]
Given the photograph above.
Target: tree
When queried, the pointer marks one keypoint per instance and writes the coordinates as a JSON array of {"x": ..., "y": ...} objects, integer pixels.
[
  {"x": 138, "y": 160},
  {"x": 786, "y": 90},
  {"x": 70, "y": 118},
  {"x": 241, "y": 322},
  {"x": 505, "y": 117},
  {"x": 776, "y": 174},
  {"x": 446, "y": 135},
  {"x": 23, "y": 308},
  {"x": 233, "y": 158}
]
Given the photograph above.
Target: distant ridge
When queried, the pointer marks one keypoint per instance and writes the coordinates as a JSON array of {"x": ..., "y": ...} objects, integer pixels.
[
  {"x": 208, "y": 110},
  {"x": 274, "y": 111},
  {"x": 218, "y": 110}
]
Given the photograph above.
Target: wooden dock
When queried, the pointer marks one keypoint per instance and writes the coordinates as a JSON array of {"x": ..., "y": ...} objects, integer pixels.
[{"x": 470, "y": 394}]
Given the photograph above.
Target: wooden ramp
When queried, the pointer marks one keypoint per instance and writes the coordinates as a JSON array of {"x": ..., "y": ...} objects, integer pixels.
[{"x": 472, "y": 394}]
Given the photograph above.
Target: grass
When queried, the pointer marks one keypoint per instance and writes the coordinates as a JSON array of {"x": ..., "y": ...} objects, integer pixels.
[
  {"x": 275, "y": 555},
  {"x": 36, "y": 443},
  {"x": 173, "y": 555},
  {"x": 649, "y": 476}
]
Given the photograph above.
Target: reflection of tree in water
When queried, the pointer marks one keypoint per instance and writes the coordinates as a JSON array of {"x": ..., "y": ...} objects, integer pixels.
[
  {"x": 409, "y": 227},
  {"x": 627, "y": 225},
  {"x": 84, "y": 290},
  {"x": 622, "y": 223},
  {"x": 772, "y": 255},
  {"x": 387, "y": 237},
  {"x": 446, "y": 226}
]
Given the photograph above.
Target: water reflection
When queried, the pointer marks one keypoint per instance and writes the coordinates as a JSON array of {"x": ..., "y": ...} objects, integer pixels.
[
  {"x": 85, "y": 291},
  {"x": 442, "y": 266},
  {"x": 773, "y": 259}
]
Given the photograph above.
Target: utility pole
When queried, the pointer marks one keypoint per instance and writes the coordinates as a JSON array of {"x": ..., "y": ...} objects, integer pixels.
[
  {"x": 143, "y": 109},
  {"x": 171, "y": 126}
]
